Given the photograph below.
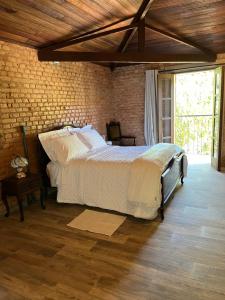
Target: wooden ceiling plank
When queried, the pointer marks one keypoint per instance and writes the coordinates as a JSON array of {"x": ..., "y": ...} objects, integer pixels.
[
  {"x": 104, "y": 27},
  {"x": 21, "y": 31},
  {"x": 182, "y": 40},
  {"x": 10, "y": 38},
  {"x": 193, "y": 19},
  {"x": 75, "y": 16},
  {"x": 119, "y": 6},
  {"x": 26, "y": 24},
  {"x": 126, "y": 57},
  {"x": 89, "y": 37},
  {"x": 192, "y": 6},
  {"x": 32, "y": 8},
  {"x": 32, "y": 18},
  {"x": 71, "y": 14},
  {"x": 73, "y": 39},
  {"x": 15, "y": 25},
  {"x": 101, "y": 44},
  {"x": 15, "y": 42},
  {"x": 21, "y": 34},
  {"x": 94, "y": 10},
  {"x": 87, "y": 14}
]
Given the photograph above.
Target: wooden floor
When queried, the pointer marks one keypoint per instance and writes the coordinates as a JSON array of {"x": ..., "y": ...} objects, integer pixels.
[{"x": 181, "y": 258}]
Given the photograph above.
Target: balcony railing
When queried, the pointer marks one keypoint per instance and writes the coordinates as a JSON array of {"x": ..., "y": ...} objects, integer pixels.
[{"x": 194, "y": 133}]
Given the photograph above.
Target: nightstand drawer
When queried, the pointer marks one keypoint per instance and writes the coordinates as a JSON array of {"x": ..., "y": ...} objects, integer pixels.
[
  {"x": 13, "y": 185},
  {"x": 28, "y": 187}
]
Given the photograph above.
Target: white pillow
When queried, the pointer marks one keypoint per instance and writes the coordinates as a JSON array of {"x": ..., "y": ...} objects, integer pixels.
[
  {"x": 87, "y": 127},
  {"x": 46, "y": 138},
  {"x": 73, "y": 130},
  {"x": 67, "y": 148},
  {"x": 92, "y": 139}
]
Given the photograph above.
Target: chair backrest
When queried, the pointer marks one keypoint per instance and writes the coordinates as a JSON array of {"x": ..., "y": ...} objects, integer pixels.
[{"x": 113, "y": 131}]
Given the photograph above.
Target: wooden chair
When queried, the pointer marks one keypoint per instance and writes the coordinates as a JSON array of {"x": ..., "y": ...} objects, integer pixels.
[{"x": 114, "y": 135}]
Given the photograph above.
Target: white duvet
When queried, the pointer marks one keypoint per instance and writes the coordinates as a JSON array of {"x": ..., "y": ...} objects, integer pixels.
[{"x": 124, "y": 179}]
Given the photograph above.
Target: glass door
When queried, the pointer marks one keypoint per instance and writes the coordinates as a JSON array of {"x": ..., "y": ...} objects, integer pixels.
[
  {"x": 217, "y": 118},
  {"x": 166, "y": 107}
]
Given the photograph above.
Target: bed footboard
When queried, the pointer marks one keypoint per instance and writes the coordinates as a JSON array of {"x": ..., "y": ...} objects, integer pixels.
[{"x": 169, "y": 179}]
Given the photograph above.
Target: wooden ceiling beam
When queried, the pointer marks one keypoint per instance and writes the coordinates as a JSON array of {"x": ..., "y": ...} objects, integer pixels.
[
  {"x": 141, "y": 13},
  {"x": 126, "y": 57},
  {"x": 61, "y": 44},
  {"x": 181, "y": 39},
  {"x": 141, "y": 35}
]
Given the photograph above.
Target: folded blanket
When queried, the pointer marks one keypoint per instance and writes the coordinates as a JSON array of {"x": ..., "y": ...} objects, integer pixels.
[{"x": 146, "y": 171}]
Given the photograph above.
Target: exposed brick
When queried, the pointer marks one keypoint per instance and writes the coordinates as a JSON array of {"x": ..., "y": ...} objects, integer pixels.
[
  {"x": 43, "y": 95},
  {"x": 128, "y": 100}
]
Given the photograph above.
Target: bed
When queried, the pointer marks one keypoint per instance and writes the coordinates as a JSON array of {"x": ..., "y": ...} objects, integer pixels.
[{"x": 118, "y": 178}]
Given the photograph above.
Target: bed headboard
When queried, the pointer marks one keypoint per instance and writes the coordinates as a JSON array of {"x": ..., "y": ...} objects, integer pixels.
[{"x": 43, "y": 157}]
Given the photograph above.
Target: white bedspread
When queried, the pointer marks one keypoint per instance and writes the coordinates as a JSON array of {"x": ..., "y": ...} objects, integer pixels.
[
  {"x": 107, "y": 178},
  {"x": 146, "y": 172}
]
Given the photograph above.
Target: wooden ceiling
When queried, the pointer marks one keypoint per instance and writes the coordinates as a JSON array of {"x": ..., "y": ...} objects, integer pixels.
[
  {"x": 201, "y": 21},
  {"x": 40, "y": 23}
]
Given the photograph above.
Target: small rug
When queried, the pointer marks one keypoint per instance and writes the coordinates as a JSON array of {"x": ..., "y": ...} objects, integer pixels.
[{"x": 97, "y": 222}]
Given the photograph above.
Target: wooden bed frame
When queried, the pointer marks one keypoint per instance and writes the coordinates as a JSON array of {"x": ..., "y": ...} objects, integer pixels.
[{"x": 173, "y": 173}]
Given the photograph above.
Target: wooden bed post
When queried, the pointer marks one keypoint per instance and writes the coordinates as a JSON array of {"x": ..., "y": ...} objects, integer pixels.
[
  {"x": 25, "y": 147},
  {"x": 161, "y": 209},
  {"x": 182, "y": 170},
  {"x": 161, "y": 212},
  {"x": 169, "y": 180}
]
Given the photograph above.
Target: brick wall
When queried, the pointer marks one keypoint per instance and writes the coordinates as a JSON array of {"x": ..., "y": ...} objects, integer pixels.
[
  {"x": 223, "y": 134},
  {"x": 128, "y": 100},
  {"x": 43, "y": 95}
]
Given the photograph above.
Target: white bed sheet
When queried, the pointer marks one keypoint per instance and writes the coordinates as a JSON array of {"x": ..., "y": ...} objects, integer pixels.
[{"x": 100, "y": 178}]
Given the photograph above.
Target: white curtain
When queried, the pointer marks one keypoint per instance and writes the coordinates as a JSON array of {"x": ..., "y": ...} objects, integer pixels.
[{"x": 151, "y": 115}]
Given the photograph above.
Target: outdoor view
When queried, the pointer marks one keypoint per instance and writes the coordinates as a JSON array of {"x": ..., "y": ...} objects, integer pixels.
[{"x": 193, "y": 111}]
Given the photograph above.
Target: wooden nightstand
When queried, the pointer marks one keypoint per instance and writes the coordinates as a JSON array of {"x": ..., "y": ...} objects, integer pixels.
[{"x": 21, "y": 188}]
